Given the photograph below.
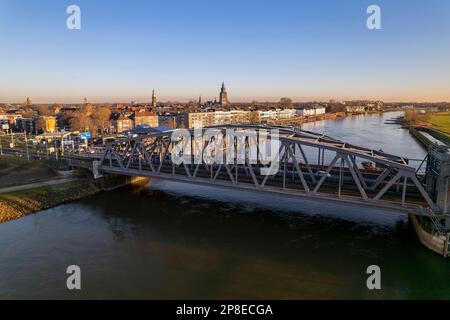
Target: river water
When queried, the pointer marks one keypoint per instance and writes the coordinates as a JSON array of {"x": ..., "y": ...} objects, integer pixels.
[{"x": 177, "y": 241}]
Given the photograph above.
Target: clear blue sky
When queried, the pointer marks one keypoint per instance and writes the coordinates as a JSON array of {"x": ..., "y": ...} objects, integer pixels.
[{"x": 262, "y": 49}]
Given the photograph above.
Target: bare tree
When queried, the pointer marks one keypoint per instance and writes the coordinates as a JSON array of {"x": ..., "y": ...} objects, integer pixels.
[
  {"x": 27, "y": 113},
  {"x": 286, "y": 103},
  {"x": 254, "y": 117},
  {"x": 100, "y": 119}
]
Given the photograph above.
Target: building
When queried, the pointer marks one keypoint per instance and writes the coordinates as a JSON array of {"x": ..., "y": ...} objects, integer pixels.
[
  {"x": 230, "y": 117},
  {"x": 355, "y": 109},
  {"x": 67, "y": 110},
  {"x": 4, "y": 124},
  {"x": 26, "y": 125},
  {"x": 311, "y": 111},
  {"x": 122, "y": 123},
  {"x": 12, "y": 119},
  {"x": 138, "y": 108},
  {"x": 195, "y": 119},
  {"x": 54, "y": 136},
  {"x": 220, "y": 117},
  {"x": 29, "y": 102},
  {"x": 146, "y": 119},
  {"x": 276, "y": 114},
  {"x": 47, "y": 124},
  {"x": 223, "y": 96},
  {"x": 204, "y": 119},
  {"x": 168, "y": 120},
  {"x": 154, "y": 101}
]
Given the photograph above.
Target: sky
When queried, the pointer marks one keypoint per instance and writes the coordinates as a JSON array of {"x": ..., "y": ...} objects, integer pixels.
[{"x": 262, "y": 49}]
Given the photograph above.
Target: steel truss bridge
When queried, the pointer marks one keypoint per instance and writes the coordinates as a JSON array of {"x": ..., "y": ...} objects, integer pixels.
[{"x": 311, "y": 166}]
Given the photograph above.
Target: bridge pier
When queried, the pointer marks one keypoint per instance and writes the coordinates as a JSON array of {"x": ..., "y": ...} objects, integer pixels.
[{"x": 437, "y": 177}]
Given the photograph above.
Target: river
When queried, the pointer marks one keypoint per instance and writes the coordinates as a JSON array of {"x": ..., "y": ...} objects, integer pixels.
[{"x": 177, "y": 241}]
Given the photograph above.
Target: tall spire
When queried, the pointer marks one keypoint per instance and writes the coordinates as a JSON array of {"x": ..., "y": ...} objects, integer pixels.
[
  {"x": 154, "y": 102},
  {"x": 223, "y": 95}
]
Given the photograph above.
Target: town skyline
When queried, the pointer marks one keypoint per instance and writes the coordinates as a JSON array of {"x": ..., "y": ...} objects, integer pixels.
[{"x": 216, "y": 98}]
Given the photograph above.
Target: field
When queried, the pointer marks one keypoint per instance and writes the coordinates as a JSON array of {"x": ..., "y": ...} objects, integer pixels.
[{"x": 440, "y": 121}]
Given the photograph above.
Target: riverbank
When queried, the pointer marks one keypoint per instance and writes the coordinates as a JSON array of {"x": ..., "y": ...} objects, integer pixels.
[
  {"x": 429, "y": 237},
  {"x": 17, "y": 204},
  {"x": 18, "y": 171},
  {"x": 439, "y": 121},
  {"x": 30, "y": 186},
  {"x": 300, "y": 120},
  {"x": 436, "y": 126}
]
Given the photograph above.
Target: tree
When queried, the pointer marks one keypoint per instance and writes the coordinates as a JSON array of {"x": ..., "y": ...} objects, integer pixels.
[
  {"x": 411, "y": 116},
  {"x": 100, "y": 119},
  {"x": 27, "y": 113},
  {"x": 80, "y": 121},
  {"x": 286, "y": 103},
  {"x": 254, "y": 117},
  {"x": 45, "y": 110}
]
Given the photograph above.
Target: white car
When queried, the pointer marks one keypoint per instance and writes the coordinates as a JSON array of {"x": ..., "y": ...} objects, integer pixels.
[{"x": 321, "y": 173}]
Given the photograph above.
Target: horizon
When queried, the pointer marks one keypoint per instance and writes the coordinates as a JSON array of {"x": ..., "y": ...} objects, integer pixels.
[
  {"x": 231, "y": 102},
  {"x": 263, "y": 51}
]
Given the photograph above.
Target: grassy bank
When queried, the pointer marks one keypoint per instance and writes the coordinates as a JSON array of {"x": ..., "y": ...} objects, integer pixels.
[
  {"x": 440, "y": 121},
  {"x": 17, "y": 204},
  {"x": 437, "y": 124},
  {"x": 15, "y": 171}
]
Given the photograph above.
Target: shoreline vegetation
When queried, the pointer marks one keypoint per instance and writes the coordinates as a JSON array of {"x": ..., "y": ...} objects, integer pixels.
[
  {"x": 16, "y": 172},
  {"x": 435, "y": 124},
  {"x": 15, "y": 205}
]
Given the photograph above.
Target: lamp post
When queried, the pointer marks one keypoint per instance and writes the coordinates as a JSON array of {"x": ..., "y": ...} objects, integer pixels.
[{"x": 26, "y": 147}]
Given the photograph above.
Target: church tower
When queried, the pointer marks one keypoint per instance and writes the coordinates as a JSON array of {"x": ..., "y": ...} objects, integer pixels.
[
  {"x": 154, "y": 101},
  {"x": 223, "y": 95}
]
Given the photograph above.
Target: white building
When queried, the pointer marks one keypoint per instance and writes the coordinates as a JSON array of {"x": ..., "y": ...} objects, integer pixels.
[
  {"x": 311, "y": 112},
  {"x": 277, "y": 114}
]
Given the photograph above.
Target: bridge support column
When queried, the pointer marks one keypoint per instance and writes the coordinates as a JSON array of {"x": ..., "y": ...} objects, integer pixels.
[
  {"x": 95, "y": 171},
  {"x": 437, "y": 178}
]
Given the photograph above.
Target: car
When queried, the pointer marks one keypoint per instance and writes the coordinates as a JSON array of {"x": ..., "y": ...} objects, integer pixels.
[{"x": 321, "y": 173}]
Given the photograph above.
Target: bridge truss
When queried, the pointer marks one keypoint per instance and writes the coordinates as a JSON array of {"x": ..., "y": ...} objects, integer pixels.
[{"x": 311, "y": 165}]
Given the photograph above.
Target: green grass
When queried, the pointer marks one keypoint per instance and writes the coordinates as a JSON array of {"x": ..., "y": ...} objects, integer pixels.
[
  {"x": 17, "y": 171},
  {"x": 441, "y": 121},
  {"x": 8, "y": 160}
]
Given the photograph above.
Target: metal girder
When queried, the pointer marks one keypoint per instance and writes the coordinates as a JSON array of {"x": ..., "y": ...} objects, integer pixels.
[{"x": 148, "y": 155}]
